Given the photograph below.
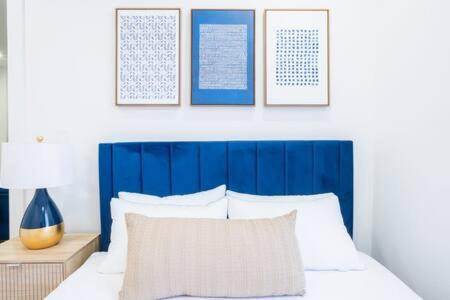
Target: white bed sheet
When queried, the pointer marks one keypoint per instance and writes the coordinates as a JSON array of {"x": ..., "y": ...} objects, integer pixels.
[{"x": 374, "y": 283}]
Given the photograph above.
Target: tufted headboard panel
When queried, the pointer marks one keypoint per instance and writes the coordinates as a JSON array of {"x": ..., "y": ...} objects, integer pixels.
[{"x": 256, "y": 167}]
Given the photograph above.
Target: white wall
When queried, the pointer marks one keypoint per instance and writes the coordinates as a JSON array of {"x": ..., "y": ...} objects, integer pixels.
[
  {"x": 412, "y": 179},
  {"x": 3, "y": 104},
  {"x": 3, "y": 74},
  {"x": 67, "y": 56},
  {"x": 389, "y": 72}
]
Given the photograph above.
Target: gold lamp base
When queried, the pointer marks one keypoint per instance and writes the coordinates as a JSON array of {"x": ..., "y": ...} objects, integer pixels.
[{"x": 41, "y": 238}]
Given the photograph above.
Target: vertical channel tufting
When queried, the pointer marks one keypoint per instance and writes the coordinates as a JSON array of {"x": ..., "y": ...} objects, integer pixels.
[
  {"x": 270, "y": 167},
  {"x": 326, "y": 172},
  {"x": 156, "y": 168},
  {"x": 338, "y": 179},
  {"x": 214, "y": 169},
  {"x": 227, "y": 182},
  {"x": 171, "y": 168},
  {"x": 199, "y": 168},
  {"x": 346, "y": 184},
  {"x": 258, "y": 167},
  {"x": 242, "y": 161},
  {"x": 299, "y": 167},
  {"x": 106, "y": 176},
  {"x": 141, "y": 154},
  {"x": 313, "y": 170},
  {"x": 285, "y": 170},
  {"x": 126, "y": 167},
  {"x": 184, "y": 168}
]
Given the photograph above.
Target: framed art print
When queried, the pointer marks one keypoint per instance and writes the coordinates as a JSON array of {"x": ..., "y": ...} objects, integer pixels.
[
  {"x": 296, "y": 57},
  {"x": 223, "y": 57},
  {"x": 147, "y": 56}
]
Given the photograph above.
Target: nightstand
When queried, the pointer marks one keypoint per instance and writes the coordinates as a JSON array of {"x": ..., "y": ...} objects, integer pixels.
[{"x": 33, "y": 274}]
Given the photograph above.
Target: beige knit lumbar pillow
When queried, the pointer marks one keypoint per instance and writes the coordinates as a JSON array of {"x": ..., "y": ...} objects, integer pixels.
[{"x": 170, "y": 257}]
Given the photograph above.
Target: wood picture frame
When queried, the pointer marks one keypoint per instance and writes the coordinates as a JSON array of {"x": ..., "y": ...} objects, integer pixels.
[
  {"x": 169, "y": 94},
  {"x": 296, "y": 92},
  {"x": 221, "y": 96}
]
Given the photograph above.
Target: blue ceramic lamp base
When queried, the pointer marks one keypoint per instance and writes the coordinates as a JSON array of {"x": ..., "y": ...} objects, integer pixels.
[{"x": 42, "y": 224}]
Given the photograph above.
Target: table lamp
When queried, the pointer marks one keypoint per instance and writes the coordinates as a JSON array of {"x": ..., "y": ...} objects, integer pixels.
[{"x": 37, "y": 166}]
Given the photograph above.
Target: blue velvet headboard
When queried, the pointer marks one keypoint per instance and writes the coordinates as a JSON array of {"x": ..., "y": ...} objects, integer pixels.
[{"x": 257, "y": 167}]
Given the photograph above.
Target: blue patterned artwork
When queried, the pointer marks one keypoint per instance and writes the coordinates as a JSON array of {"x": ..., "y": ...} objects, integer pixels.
[
  {"x": 148, "y": 56},
  {"x": 222, "y": 57},
  {"x": 296, "y": 57}
]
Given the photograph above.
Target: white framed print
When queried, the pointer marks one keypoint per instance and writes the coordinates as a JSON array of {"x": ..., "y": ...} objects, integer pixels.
[
  {"x": 148, "y": 56},
  {"x": 296, "y": 57}
]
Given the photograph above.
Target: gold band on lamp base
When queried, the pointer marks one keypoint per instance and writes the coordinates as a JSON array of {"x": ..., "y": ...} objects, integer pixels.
[{"x": 41, "y": 238}]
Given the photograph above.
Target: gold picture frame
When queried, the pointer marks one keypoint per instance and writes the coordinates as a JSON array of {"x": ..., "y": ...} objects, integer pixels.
[
  {"x": 326, "y": 56},
  {"x": 178, "y": 72}
]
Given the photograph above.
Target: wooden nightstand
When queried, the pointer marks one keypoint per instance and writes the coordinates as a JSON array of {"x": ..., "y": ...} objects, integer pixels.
[{"x": 33, "y": 274}]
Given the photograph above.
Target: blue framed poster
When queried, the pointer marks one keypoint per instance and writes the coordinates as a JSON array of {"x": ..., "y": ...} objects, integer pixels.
[{"x": 223, "y": 57}]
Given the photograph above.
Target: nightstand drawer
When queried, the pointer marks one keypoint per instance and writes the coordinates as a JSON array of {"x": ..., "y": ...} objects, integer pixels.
[
  {"x": 29, "y": 281},
  {"x": 33, "y": 274}
]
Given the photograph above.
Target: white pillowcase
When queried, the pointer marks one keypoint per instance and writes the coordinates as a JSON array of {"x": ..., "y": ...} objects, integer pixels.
[
  {"x": 115, "y": 260},
  {"x": 277, "y": 199},
  {"x": 321, "y": 233},
  {"x": 200, "y": 198}
]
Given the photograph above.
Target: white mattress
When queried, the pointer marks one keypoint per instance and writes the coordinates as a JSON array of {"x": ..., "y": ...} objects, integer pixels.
[{"x": 376, "y": 282}]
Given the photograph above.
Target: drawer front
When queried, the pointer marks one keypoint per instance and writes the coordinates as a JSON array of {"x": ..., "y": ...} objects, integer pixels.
[{"x": 29, "y": 281}]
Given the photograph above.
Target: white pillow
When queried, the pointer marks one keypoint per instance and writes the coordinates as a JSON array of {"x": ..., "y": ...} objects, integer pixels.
[
  {"x": 323, "y": 238},
  {"x": 200, "y": 198},
  {"x": 277, "y": 199},
  {"x": 115, "y": 260}
]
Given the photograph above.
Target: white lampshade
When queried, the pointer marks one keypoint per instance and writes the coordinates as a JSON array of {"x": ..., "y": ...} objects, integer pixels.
[{"x": 33, "y": 166}]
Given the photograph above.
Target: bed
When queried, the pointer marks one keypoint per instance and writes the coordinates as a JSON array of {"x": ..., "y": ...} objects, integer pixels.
[
  {"x": 255, "y": 167},
  {"x": 375, "y": 283}
]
